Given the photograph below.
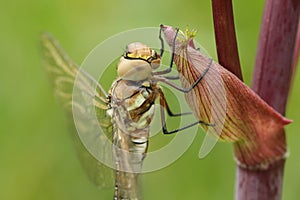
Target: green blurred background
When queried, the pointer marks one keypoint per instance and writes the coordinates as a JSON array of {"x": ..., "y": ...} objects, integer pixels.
[{"x": 36, "y": 152}]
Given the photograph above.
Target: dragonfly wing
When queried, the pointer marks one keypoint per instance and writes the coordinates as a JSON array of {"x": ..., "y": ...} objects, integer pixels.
[{"x": 78, "y": 92}]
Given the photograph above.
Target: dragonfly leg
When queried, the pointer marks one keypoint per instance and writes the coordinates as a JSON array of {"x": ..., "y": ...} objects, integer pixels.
[
  {"x": 164, "y": 105},
  {"x": 161, "y": 43},
  {"x": 172, "y": 77},
  {"x": 185, "y": 90},
  {"x": 168, "y": 70}
]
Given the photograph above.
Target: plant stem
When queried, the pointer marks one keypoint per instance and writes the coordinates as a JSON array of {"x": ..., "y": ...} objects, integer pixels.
[
  {"x": 272, "y": 75},
  {"x": 296, "y": 51},
  {"x": 273, "y": 67},
  {"x": 226, "y": 43},
  {"x": 273, "y": 72},
  {"x": 259, "y": 184}
]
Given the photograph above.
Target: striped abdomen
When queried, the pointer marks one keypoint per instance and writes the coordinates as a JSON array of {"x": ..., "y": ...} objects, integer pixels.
[{"x": 132, "y": 109}]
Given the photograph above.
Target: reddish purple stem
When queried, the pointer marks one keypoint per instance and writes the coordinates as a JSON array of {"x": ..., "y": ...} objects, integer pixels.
[
  {"x": 273, "y": 67},
  {"x": 227, "y": 49},
  {"x": 297, "y": 50},
  {"x": 271, "y": 80},
  {"x": 276, "y": 58},
  {"x": 259, "y": 184}
]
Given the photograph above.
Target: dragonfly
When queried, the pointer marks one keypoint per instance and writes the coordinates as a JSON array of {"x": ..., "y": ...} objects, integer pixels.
[{"x": 125, "y": 112}]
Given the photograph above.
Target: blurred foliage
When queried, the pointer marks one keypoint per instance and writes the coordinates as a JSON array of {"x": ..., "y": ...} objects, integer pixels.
[{"x": 37, "y": 155}]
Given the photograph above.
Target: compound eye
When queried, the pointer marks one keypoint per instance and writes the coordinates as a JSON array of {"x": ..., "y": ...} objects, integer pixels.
[{"x": 126, "y": 54}]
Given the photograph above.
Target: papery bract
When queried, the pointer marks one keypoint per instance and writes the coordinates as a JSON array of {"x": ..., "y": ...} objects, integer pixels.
[{"x": 238, "y": 113}]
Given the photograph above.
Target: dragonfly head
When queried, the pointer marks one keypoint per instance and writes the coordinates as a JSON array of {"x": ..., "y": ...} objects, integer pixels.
[{"x": 138, "y": 62}]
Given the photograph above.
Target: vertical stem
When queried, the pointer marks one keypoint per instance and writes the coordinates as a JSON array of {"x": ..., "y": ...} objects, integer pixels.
[
  {"x": 273, "y": 67},
  {"x": 271, "y": 80},
  {"x": 272, "y": 75},
  {"x": 259, "y": 184},
  {"x": 297, "y": 50},
  {"x": 225, "y": 36}
]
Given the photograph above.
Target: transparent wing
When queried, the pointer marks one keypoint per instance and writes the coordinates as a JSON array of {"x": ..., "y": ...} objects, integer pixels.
[{"x": 63, "y": 72}]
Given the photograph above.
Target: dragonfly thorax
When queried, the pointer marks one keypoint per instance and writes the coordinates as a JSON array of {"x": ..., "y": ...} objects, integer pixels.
[
  {"x": 132, "y": 104},
  {"x": 138, "y": 62}
]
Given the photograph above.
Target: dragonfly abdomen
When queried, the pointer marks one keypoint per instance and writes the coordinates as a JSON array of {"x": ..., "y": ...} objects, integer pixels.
[{"x": 132, "y": 109}]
